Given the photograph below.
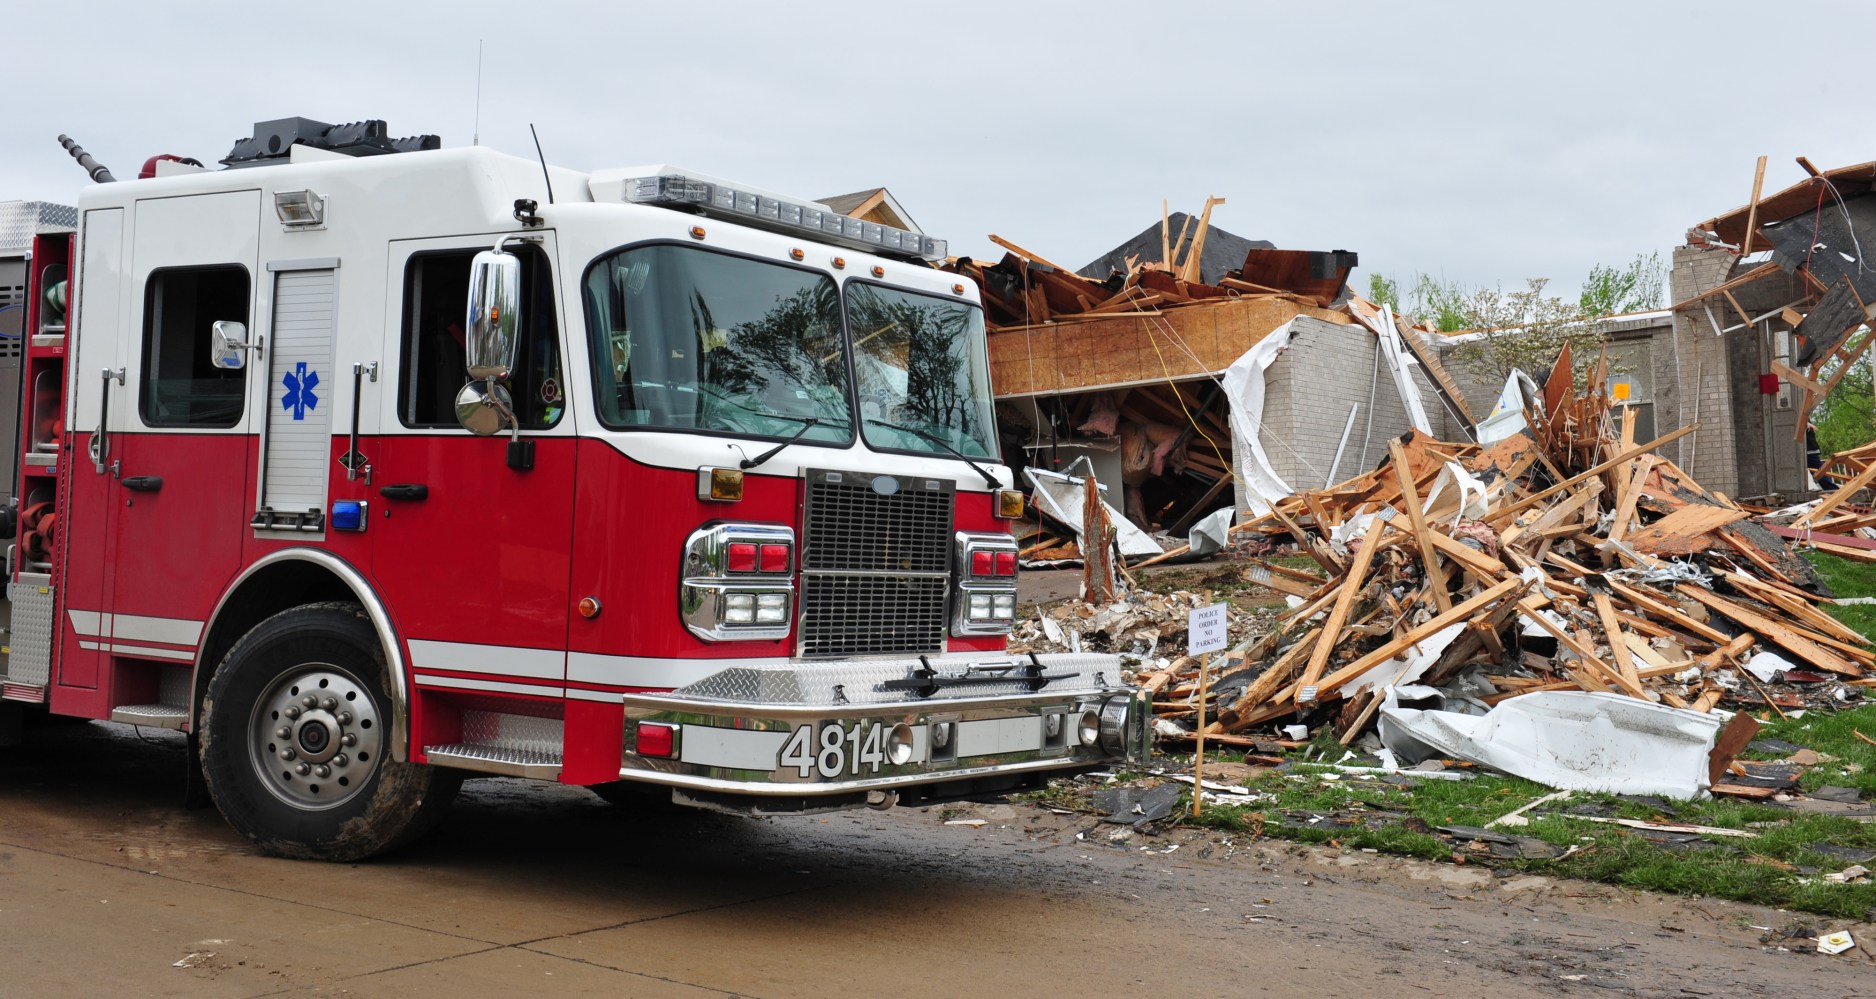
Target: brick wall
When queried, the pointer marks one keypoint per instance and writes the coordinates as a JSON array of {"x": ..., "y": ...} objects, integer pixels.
[{"x": 1705, "y": 372}]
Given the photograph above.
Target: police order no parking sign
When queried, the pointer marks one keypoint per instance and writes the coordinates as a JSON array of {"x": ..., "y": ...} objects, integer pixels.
[{"x": 1205, "y": 630}]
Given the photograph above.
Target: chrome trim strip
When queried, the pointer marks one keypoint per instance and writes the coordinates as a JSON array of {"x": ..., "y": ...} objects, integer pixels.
[
  {"x": 464, "y": 683},
  {"x": 374, "y": 609},
  {"x": 807, "y": 789}
]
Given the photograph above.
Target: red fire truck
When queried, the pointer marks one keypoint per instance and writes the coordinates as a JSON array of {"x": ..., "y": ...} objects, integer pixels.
[{"x": 371, "y": 464}]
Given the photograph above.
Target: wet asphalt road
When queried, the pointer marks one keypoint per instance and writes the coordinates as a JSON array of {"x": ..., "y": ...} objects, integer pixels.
[{"x": 106, "y": 883}]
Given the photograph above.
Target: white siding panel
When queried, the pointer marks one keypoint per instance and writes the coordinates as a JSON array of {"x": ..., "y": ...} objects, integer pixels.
[{"x": 299, "y": 416}]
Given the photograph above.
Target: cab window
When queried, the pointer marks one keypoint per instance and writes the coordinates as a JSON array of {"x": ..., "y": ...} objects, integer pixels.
[
  {"x": 180, "y": 385},
  {"x": 434, "y": 365}
]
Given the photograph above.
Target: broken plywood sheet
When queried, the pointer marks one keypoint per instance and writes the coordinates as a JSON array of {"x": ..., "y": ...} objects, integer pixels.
[
  {"x": 1684, "y": 531},
  {"x": 1135, "y": 349}
]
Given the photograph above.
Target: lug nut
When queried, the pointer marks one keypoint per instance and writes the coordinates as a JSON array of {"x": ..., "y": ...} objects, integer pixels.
[
  {"x": 345, "y": 717},
  {"x": 293, "y": 712},
  {"x": 329, "y": 703},
  {"x": 282, "y": 732},
  {"x": 288, "y": 753},
  {"x": 309, "y": 700},
  {"x": 302, "y": 770},
  {"x": 324, "y": 771},
  {"x": 349, "y": 739},
  {"x": 340, "y": 760}
]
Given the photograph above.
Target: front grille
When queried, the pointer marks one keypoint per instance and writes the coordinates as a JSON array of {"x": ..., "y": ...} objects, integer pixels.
[{"x": 875, "y": 560}]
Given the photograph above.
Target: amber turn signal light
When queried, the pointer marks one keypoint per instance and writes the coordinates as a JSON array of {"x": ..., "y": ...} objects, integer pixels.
[
  {"x": 724, "y": 485},
  {"x": 1009, "y": 503}
]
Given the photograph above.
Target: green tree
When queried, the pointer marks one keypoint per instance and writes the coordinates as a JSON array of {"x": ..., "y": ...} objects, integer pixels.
[
  {"x": 1523, "y": 330},
  {"x": 1612, "y": 291},
  {"x": 1844, "y": 417},
  {"x": 1382, "y": 291}
]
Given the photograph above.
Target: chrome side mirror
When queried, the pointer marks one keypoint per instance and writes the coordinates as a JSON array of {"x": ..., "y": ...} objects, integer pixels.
[
  {"x": 494, "y": 314},
  {"x": 484, "y": 408},
  {"x": 230, "y": 346}
]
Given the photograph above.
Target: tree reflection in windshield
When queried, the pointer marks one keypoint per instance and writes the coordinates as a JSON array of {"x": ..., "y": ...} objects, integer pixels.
[
  {"x": 919, "y": 362},
  {"x": 702, "y": 340}
]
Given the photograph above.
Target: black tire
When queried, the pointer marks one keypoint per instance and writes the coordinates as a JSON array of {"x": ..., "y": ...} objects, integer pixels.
[{"x": 328, "y": 789}]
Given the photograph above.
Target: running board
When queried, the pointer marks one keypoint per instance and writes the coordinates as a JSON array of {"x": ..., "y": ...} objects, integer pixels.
[
  {"x": 496, "y": 742},
  {"x": 151, "y": 715},
  {"x": 495, "y": 760}
]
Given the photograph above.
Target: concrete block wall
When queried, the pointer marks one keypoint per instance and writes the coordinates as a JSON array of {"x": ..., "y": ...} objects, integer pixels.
[{"x": 1328, "y": 368}]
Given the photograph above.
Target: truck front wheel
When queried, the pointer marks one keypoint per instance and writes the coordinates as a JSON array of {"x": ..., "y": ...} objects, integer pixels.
[{"x": 295, "y": 738}]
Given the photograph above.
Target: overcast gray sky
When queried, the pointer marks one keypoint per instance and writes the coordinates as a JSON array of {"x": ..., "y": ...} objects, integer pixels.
[{"x": 1487, "y": 142}]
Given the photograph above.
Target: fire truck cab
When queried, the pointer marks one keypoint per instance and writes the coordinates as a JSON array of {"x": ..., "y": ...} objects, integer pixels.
[{"x": 372, "y": 464}]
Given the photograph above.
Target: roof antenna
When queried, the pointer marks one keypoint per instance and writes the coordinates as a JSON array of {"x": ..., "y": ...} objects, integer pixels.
[
  {"x": 478, "y": 126},
  {"x": 543, "y": 157}
]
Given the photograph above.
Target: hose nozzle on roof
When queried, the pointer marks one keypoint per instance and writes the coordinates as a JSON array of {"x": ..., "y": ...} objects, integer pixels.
[{"x": 100, "y": 173}]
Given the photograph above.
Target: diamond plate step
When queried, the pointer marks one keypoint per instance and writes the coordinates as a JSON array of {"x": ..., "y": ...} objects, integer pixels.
[
  {"x": 151, "y": 715},
  {"x": 496, "y": 760}
]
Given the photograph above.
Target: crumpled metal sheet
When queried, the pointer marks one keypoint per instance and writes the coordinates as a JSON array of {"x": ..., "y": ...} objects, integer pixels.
[{"x": 1570, "y": 740}]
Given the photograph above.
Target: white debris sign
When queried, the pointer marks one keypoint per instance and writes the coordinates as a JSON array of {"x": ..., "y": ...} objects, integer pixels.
[{"x": 1205, "y": 630}]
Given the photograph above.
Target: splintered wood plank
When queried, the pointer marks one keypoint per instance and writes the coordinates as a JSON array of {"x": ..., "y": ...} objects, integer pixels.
[
  {"x": 1625, "y": 506},
  {"x": 1838, "y": 498},
  {"x": 1618, "y": 644},
  {"x": 1429, "y": 558},
  {"x": 1460, "y": 612},
  {"x": 1510, "y": 510},
  {"x": 1773, "y": 630},
  {"x": 1752, "y": 211},
  {"x": 1630, "y": 686},
  {"x": 1684, "y": 531},
  {"x": 1353, "y": 581}
]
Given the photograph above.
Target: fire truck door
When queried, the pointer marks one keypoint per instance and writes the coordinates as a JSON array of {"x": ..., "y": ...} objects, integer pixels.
[
  {"x": 473, "y": 554},
  {"x": 181, "y": 461},
  {"x": 95, "y": 343}
]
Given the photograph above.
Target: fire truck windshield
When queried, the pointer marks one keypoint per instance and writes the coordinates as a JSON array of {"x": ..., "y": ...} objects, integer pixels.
[
  {"x": 919, "y": 361},
  {"x": 696, "y": 340},
  {"x": 693, "y": 339}
]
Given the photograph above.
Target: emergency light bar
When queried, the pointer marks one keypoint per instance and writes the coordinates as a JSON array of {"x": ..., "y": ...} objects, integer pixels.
[{"x": 758, "y": 208}]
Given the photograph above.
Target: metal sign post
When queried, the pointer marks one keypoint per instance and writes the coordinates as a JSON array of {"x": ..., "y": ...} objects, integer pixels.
[{"x": 1205, "y": 634}]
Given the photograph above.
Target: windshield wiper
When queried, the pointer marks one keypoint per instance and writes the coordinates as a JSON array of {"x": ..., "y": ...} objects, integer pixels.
[
  {"x": 989, "y": 480},
  {"x": 807, "y": 423}
]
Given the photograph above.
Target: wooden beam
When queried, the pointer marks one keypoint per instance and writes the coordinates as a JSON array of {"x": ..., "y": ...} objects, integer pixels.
[
  {"x": 1352, "y": 583},
  {"x": 1774, "y": 630},
  {"x": 1795, "y": 376},
  {"x": 1190, "y": 272},
  {"x": 1435, "y": 575},
  {"x": 1461, "y": 611},
  {"x": 1837, "y": 498},
  {"x": 1505, "y": 512},
  {"x": 1752, "y": 207},
  {"x": 1026, "y": 255},
  {"x": 1743, "y": 279}
]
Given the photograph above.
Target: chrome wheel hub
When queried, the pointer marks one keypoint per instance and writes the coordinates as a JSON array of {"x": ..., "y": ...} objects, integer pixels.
[{"x": 315, "y": 737}]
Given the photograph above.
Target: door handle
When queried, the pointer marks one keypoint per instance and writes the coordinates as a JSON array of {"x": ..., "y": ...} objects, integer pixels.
[
  {"x": 405, "y": 491},
  {"x": 144, "y": 483}
]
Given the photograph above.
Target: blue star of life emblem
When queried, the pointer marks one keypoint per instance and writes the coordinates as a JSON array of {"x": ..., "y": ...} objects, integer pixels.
[{"x": 299, "y": 384}]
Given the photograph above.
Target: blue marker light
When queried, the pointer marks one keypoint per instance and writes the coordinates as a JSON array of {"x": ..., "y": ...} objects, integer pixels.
[{"x": 348, "y": 515}]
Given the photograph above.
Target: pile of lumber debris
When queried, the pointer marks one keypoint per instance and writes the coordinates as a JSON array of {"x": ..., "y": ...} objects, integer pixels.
[
  {"x": 1835, "y": 523},
  {"x": 1564, "y": 557}
]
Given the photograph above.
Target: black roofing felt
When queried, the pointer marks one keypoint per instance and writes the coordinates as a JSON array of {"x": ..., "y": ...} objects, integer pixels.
[
  {"x": 1829, "y": 323},
  {"x": 1223, "y": 251},
  {"x": 1829, "y": 241}
]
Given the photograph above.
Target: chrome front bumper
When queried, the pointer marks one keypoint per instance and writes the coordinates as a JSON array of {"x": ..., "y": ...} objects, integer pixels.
[{"x": 739, "y": 731}]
